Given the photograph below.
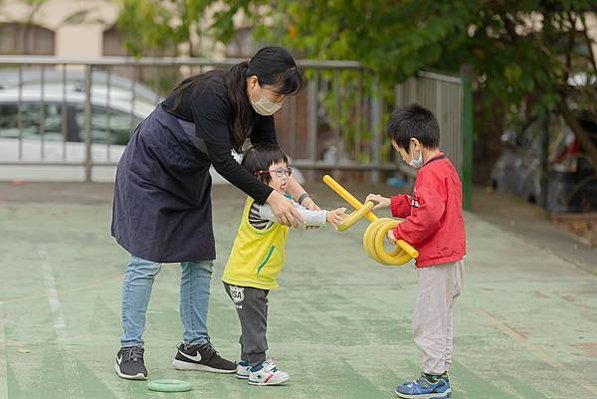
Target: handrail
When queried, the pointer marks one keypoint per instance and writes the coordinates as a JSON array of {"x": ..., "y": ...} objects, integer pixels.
[{"x": 163, "y": 61}]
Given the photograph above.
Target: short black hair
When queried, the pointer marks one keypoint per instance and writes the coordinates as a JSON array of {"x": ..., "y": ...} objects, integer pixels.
[
  {"x": 260, "y": 157},
  {"x": 413, "y": 121}
]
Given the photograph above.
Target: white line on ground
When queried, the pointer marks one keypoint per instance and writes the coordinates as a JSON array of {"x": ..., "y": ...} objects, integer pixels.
[
  {"x": 53, "y": 299},
  {"x": 3, "y": 364},
  {"x": 71, "y": 371}
]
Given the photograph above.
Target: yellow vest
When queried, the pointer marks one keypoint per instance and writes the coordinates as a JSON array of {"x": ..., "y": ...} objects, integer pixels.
[{"x": 257, "y": 256}]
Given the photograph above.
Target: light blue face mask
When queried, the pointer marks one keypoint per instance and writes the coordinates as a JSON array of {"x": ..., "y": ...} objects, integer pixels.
[{"x": 416, "y": 163}]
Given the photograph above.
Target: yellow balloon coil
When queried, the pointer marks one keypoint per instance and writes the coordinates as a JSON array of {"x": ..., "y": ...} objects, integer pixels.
[{"x": 374, "y": 237}]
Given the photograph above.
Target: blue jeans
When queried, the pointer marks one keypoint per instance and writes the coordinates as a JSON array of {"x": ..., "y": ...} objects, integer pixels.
[{"x": 195, "y": 281}]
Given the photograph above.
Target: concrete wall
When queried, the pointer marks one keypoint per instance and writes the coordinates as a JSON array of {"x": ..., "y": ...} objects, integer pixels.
[
  {"x": 84, "y": 40},
  {"x": 81, "y": 40}
]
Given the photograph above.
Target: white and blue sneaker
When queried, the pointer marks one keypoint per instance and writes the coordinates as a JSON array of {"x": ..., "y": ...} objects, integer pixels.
[
  {"x": 267, "y": 373},
  {"x": 422, "y": 388},
  {"x": 243, "y": 368}
]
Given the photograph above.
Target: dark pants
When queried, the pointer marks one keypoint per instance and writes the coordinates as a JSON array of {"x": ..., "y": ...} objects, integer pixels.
[{"x": 251, "y": 306}]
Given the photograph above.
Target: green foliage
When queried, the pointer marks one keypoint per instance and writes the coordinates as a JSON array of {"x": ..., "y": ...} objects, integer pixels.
[
  {"x": 515, "y": 51},
  {"x": 518, "y": 54},
  {"x": 156, "y": 26}
]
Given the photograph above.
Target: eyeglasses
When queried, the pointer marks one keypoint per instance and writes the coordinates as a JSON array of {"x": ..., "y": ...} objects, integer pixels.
[{"x": 279, "y": 173}]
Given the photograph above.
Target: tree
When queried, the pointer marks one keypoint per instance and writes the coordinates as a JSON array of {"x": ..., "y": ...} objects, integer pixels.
[
  {"x": 150, "y": 25},
  {"x": 520, "y": 55}
]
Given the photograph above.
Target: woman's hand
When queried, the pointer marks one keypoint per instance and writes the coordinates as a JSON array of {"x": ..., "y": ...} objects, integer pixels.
[
  {"x": 284, "y": 211},
  {"x": 381, "y": 202},
  {"x": 310, "y": 204},
  {"x": 336, "y": 217}
]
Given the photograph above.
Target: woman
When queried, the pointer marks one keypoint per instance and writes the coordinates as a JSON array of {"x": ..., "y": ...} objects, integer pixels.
[{"x": 162, "y": 205}]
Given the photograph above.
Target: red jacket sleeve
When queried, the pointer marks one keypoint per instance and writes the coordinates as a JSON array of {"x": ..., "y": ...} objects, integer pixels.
[
  {"x": 425, "y": 219},
  {"x": 400, "y": 206}
]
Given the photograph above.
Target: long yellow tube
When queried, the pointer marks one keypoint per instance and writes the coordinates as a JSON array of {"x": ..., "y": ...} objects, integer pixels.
[
  {"x": 373, "y": 239},
  {"x": 356, "y": 216},
  {"x": 348, "y": 197}
]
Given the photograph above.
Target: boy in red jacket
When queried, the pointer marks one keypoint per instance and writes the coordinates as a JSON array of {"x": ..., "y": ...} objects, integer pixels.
[{"x": 434, "y": 225}]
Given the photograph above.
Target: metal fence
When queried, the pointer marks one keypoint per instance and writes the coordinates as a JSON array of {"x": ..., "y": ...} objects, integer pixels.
[{"x": 79, "y": 113}]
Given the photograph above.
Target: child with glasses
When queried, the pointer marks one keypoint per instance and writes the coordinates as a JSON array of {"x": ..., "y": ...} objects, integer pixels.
[{"x": 257, "y": 258}]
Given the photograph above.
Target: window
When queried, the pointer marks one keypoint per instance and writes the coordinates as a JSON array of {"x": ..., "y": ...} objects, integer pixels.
[
  {"x": 26, "y": 39},
  {"x": 113, "y": 44},
  {"x": 31, "y": 119},
  {"x": 107, "y": 125}
]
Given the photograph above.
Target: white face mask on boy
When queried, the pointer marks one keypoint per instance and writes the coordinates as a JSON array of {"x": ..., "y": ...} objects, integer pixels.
[
  {"x": 265, "y": 106},
  {"x": 416, "y": 163}
]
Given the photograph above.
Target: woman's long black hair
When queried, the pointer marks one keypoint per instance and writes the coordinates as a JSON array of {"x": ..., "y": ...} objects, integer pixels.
[{"x": 273, "y": 66}]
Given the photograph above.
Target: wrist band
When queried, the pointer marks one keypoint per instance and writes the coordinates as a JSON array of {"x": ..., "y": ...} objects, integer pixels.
[{"x": 302, "y": 198}]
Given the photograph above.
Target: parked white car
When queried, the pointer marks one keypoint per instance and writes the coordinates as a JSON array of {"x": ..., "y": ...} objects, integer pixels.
[
  {"x": 48, "y": 135},
  {"x": 39, "y": 136}
]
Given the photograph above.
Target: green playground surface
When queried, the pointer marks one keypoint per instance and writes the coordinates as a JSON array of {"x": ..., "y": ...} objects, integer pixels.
[{"x": 525, "y": 326}]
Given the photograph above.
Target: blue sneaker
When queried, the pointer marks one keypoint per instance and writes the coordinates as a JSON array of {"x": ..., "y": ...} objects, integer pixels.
[
  {"x": 446, "y": 379},
  {"x": 422, "y": 388}
]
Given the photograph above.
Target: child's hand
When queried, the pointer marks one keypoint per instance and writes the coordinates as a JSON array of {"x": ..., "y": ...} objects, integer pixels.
[
  {"x": 390, "y": 236},
  {"x": 336, "y": 217},
  {"x": 381, "y": 202}
]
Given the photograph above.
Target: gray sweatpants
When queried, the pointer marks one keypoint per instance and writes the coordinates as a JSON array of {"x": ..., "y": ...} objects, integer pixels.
[
  {"x": 432, "y": 325},
  {"x": 251, "y": 306}
]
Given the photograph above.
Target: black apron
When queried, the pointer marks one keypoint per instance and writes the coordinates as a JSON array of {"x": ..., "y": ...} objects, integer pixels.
[{"x": 162, "y": 194}]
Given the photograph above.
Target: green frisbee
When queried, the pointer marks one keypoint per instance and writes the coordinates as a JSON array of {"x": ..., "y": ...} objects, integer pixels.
[{"x": 169, "y": 386}]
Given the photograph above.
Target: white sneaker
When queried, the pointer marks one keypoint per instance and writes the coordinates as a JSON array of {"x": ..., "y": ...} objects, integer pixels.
[
  {"x": 268, "y": 374},
  {"x": 243, "y": 369}
]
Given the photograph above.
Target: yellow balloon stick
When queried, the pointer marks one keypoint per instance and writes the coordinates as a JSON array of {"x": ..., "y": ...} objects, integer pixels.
[
  {"x": 348, "y": 197},
  {"x": 373, "y": 239}
]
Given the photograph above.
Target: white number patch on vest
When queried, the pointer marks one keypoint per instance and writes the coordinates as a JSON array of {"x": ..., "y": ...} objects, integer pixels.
[{"x": 237, "y": 293}]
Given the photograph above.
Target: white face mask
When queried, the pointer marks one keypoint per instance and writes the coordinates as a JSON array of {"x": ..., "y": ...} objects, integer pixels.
[
  {"x": 264, "y": 106},
  {"x": 416, "y": 163}
]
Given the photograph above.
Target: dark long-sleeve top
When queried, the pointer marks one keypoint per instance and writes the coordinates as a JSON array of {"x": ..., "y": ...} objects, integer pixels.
[{"x": 208, "y": 106}]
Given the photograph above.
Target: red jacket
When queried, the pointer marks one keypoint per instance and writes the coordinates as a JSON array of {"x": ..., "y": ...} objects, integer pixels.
[{"x": 432, "y": 215}]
